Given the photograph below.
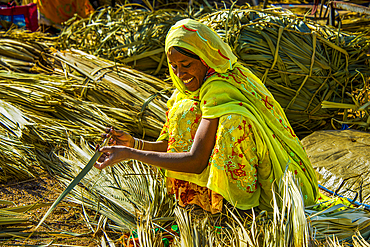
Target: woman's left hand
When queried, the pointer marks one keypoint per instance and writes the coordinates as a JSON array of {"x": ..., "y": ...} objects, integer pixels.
[{"x": 111, "y": 155}]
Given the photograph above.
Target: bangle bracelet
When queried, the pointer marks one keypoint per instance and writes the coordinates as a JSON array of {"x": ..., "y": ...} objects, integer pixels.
[
  {"x": 142, "y": 148},
  {"x": 142, "y": 144},
  {"x": 135, "y": 143}
]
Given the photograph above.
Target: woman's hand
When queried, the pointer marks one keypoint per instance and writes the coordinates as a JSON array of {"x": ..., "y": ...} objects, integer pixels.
[
  {"x": 118, "y": 137},
  {"x": 111, "y": 155}
]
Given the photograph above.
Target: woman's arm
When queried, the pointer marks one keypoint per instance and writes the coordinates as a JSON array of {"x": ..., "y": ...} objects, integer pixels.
[
  {"x": 160, "y": 146},
  {"x": 191, "y": 162},
  {"x": 122, "y": 138}
]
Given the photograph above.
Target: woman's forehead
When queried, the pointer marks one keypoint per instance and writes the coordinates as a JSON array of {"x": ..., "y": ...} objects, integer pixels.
[
  {"x": 175, "y": 56},
  {"x": 186, "y": 52}
]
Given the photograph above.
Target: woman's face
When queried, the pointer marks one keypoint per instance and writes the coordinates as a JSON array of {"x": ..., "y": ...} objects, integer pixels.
[{"x": 191, "y": 71}]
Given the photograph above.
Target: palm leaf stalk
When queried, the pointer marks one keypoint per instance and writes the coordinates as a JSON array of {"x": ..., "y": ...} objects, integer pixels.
[{"x": 75, "y": 181}]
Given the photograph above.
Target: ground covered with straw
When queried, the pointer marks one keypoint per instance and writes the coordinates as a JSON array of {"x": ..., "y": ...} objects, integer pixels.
[{"x": 64, "y": 226}]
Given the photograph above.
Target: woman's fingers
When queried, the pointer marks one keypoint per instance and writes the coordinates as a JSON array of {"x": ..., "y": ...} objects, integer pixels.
[
  {"x": 112, "y": 141},
  {"x": 101, "y": 165},
  {"x": 111, "y": 155},
  {"x": 104, "y": 159},
  {"x": 104, "y": 163},
  {"x": 109, "y": 129},
  {"x": 105, "y": 149},
  {"x": 117, "y": 137},
  {"x": 109, "y": 132},
  {"x": 103, "y": 135}
]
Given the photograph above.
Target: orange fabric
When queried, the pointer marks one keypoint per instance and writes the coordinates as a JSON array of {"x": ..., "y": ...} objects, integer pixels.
[
  {"x": 58, "y": 11},
  {"x": 188, "y": 193}
]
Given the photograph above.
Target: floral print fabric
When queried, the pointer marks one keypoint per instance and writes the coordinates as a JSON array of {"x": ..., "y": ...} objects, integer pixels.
[{"x": 232, "y": 167}]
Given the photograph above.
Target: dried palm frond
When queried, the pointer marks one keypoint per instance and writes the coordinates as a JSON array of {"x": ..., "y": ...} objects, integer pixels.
[
  {"x": 352, "y": 22},
  {"x": 75, "y": 181},
  {"x": 121, "y": 193},
  {"x": 359, "y": 241},
  {"x": 140, "y": 95},
  {"x": 53, "y": 113},
  {"x": 343, "y": 223},
  {"x": 16, "y": 158},
  {"x": 355, "y": 113},
  {"x": 132, "y": 102},
  {"x": 146, "y": 231},
  {"x": 15, "y": 222}
]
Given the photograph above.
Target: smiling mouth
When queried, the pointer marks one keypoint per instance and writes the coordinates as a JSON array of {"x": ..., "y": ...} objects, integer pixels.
[{"x": 187, "y": 81}]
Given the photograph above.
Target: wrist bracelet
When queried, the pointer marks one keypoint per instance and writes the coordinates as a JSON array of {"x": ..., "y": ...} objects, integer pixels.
[
  {"x": 142, "y": 148},
  {"x": 135, "y": 143}
]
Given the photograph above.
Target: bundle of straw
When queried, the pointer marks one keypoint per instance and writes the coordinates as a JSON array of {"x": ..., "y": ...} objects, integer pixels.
[
  {"x": 83, "y": 97},
  {"x": 124, "y": 35},
  {"x": 21, "y": 51},
  {"x": 137, "y": 100},
  {"x": 301, "y": 63}
]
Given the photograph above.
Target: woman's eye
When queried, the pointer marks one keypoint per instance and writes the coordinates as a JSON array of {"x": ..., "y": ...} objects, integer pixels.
[{"x": 187, "y": 66}]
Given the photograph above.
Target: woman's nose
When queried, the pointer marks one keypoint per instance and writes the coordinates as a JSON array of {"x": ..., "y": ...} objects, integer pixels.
[{"x": 180, "y": 73}]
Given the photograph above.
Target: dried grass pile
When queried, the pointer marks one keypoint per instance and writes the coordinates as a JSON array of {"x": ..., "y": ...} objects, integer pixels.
[
  {"x": 123, "y": 35},
  {"x": 76, "y": 95},
  {"x": 57, "y": 99},
  {"x": 301, "y": 62}
]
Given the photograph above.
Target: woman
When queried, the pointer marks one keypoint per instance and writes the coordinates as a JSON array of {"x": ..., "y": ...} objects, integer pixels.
[{"x": 225, "y": 138}]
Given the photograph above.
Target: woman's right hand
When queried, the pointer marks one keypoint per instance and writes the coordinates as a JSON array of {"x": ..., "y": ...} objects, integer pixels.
[
  {"x": 111, "y": 155},
  {"x": 118, "y": 137}
]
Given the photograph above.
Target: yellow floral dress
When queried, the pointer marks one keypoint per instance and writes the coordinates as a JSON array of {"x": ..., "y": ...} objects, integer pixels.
[{"x": 234, "y": 156}]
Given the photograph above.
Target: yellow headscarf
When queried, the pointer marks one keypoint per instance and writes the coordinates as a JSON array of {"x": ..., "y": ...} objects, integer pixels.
[{"x": 235, "y": 90}]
